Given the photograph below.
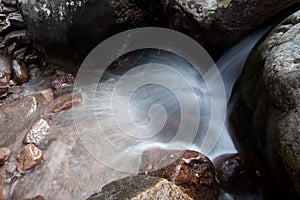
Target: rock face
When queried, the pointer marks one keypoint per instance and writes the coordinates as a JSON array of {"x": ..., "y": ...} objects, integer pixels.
[
  {"x": 192, "y": 172},
  {"x": 68, "y": 30},
  {"x": 219, "y": 23},
  {"x": 15, "y": 116},
  {"x": 270, "y": 100},
  {"x": 140, "y": 187}
]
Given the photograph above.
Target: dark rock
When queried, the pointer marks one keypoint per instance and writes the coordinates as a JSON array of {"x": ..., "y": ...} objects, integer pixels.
[
  {"x": 5, "y": 65},
  {"x": 32, "y": 58},
  {"x": 20, "y": 37},
  {"x": 66, "y": 102},
  {"x": 4, "y": 153},
  {"x": 140, "y": 187},
  {"x": 270, "y": 101},
  {"x": 30, "y": 157},
  {"x": 9, "y": 2},
  {"x": 20, "y": 54},
  {"x": 39, "y": 133},
  {"x": 16, "y": 20},
  {"x": 20, "y": 71},
  {"x": 60, "y": 27},
  {"x": 34, "y": 72},
  {"x": 63, "y": 82},
  {"x": 192, "y": 172},
  {"x": 218, "y": 25},
  {"x": 235, "y": 174},
  {"x": 15, "y": 116},
  {"x": 8, "y": 10},
  {"x": 11, "y": 48}
]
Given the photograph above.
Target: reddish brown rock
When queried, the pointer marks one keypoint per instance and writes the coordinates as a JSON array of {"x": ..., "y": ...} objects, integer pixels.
[
  {"x": 193, "y": 172},
  {"x": 20, "y": 71},
  {"x": 66, "y": 102},
  {"x": 39, "y": 133},
  {"x": 4, "y": 153},
  {"x": 30, "y": 157},
  {"x": 63, "y": 82},
  {"x": 235, "y": 174},
  {"x": 5, "y": 65}
]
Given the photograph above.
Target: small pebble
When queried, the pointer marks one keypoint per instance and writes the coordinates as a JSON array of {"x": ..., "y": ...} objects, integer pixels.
[
  {"x": 20, "y": 71},
  {"x": 66, "y": 102},
  {"x": 63, "y": 82},
  {"x": 30, "y": 157}
]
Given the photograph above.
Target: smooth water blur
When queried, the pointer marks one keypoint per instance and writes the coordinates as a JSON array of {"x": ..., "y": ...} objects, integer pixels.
[{"x": 71, "y": 170}]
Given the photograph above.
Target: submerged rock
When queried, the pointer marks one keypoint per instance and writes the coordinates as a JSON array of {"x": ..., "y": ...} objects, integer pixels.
[
  {"x": 140, "y": 187},
  {"x": 66, "y": 102},
  {"x": 30, "y": 157},
  {"x": 39, "y": 197},
  {"x": 16, "y": 116},
  {"x": 63, "y": 82},
  {"x": 192, "y": 172},
  {"x": 4, "y": 153},
  {"x": 270, "y": 100}
]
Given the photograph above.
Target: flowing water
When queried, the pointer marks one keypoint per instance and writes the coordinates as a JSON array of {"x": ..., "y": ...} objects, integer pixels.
[{"x": 76, "y": 166}]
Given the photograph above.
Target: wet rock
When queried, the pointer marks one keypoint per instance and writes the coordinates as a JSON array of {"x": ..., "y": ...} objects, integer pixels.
[
  {"x": 9, "y": 2},
  {"x": 16, "y": 20},
  {"x": 4, "y": 153},
  {"x": 32, "y": 58},
  {"x": 219, "y": 24},
  {"x": 63, "y": 82},
  {"x": 34, "y": 72},
  {"x": 15, "y": 117},
  {"x": 192, "y": 172},
  {"x": 2, "y": 195},
  {"x": 270, "y": 101},
  {"x": 12, "y": 48},
  {"x": 11, "y": 168},
  {"x": 235, "y": 174},
  {"x": 66, "y": 102},
  {"x": 8, "y": 10},
  {"x": 20, "y": 54},
  {"x": 48, "y": 95},
  {"x": 30, "y": 157},
  {"x": 39, "y": 133},
  {"x": 20, "y": 37},
  {"x": 20, "y": 71},
  {"x": 39, "y": 197},
  {"x": 60, "y": 26},
  {"x": 140, "y": 187},
  {"x": 5, "y": 65}
]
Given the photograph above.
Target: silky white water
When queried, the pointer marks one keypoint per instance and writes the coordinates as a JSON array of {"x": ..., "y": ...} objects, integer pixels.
[{"x": 112, "y": 128}]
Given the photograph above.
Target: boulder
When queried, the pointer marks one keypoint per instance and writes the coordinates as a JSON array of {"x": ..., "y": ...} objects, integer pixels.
[
  {"x": 69, "y": 30},
  {"x": 218, "y": 25},
  {"x": 266, "y": 114},
  {"x": 193, "y": 172},
  {"x": 140, "y": 187}
]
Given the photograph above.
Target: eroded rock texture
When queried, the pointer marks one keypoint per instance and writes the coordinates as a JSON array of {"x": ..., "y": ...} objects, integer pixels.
[{"x": 269, "y": 104}]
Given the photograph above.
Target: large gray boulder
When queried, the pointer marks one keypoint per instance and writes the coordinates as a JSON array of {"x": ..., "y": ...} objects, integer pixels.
[
  {"x": 270, "y": 102},
  {"x": 220, "y": 24}
]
